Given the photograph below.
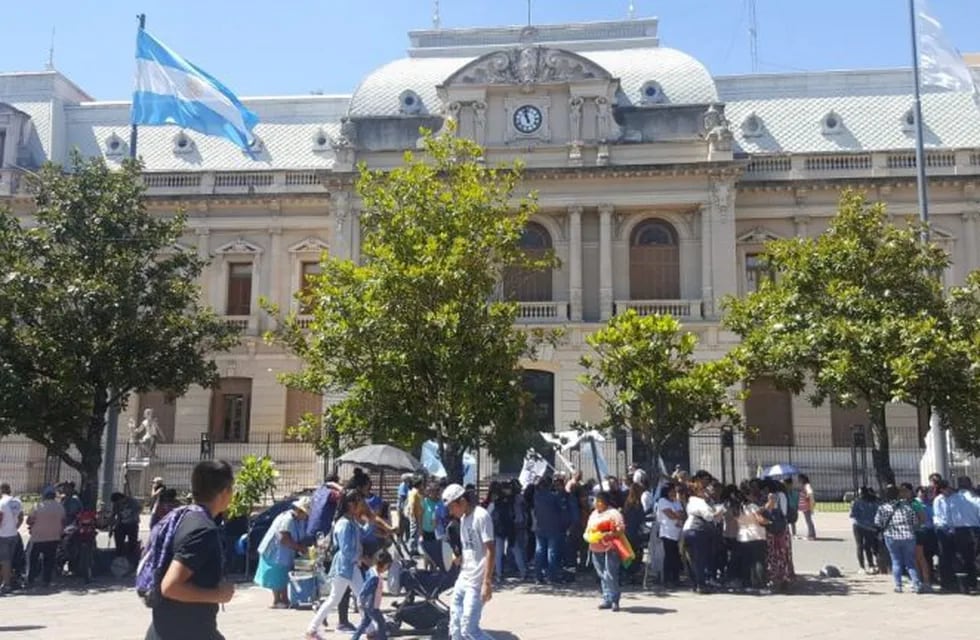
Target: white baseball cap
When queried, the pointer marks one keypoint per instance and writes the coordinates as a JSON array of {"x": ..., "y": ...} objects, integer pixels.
[{"x": 452, "y": 493}]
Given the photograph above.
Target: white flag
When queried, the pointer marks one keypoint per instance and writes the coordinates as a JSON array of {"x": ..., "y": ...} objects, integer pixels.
[{"x": 940, "y": 64}]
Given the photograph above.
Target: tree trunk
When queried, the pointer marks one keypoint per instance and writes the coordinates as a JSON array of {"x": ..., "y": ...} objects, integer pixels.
[
  {"x": 90, "y": 454},
  {"x": 880, "y": 446}
]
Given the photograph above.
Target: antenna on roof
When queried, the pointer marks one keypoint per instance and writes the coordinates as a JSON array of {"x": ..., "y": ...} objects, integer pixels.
[
  {"x": 436, "y": 19},
  {"x": 631, "y": 10},
  {"x": 50, "y": 64},
  {"x": 529, "y": 13},
  {"x": 753, "y": 36}
]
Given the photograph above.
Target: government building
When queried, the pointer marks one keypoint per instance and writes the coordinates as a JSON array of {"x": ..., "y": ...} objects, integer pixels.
[{"x": 658, "y": 184}]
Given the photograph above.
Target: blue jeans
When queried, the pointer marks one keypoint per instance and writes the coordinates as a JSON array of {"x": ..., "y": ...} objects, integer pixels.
[
  {"x": 903, "y": 556},
  {"x": 548, "y": 548},
  {"x": 607, "y": 566},
  {"x": 464, "y": 615},
  {"x": 501, "y": 548},
  {"x": 378, "y": 618},
  {"x": 700, "y": 544}
]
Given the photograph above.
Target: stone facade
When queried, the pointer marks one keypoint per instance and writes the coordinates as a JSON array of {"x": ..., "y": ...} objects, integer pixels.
[{"x": 657, "y": 185}]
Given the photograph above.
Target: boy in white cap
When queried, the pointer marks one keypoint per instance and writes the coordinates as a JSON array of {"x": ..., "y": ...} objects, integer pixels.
[{"x": 474, "y": 586}]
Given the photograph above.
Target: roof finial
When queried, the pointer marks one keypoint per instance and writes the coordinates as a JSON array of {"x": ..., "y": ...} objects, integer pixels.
[
  {"x": 50, "y": 65},
  {"x": 436, "y": 19},
  {"x": 631, "y": 10},
  {"x": 529, "y": 13}
]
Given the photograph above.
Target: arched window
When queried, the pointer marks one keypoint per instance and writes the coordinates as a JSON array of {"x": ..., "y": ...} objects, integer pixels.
[
  {"x": 526, "y": 285},
  {"x": 655, "y": 272}
]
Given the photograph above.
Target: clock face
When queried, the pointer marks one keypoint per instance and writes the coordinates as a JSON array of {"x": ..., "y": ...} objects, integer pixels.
[{"x": 527, "y": 119}]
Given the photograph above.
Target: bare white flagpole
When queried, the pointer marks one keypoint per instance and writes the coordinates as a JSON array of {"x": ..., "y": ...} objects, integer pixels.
[{"x": 936, "y": 435}]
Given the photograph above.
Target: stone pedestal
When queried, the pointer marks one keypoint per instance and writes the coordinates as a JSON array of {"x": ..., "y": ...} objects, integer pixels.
[{"x": 138, "y": 474}]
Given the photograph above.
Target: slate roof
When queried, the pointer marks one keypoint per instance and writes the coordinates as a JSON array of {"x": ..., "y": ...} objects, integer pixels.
[
  {"x": 288, "y": 131},
  {"x": 682, "y": 79},
  {"x": 871, "y": 107}
]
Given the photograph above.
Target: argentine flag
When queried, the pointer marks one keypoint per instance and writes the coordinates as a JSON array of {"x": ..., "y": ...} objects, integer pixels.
[{"x": 171, "y": 90}]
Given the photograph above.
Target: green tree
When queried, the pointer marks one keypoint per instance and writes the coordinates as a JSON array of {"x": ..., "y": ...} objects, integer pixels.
[
  {"x": 414, "y": 337},
  {"x": 958, "y": 393},
  {"x": 645, "y": 371},
  {"x": 857, "y": 314},
  {"x": 255, "y": 480},
  {"x": 94, "y": 307}
]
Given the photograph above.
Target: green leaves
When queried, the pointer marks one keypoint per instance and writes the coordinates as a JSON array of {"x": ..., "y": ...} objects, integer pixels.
[
  {"x": 92, "y": 298},
  {"x": 256, "y": 478},
  {"x": 645, "y": 371},
  {"x": 412, "y": 337},
  {"x": 858, "y": 313}
]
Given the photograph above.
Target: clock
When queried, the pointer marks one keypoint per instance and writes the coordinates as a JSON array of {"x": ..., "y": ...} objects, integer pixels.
[{"x": 527, "y": 118}]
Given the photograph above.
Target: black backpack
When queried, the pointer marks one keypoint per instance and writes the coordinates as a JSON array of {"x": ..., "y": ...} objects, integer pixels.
[{"x": 777, "y": 521}]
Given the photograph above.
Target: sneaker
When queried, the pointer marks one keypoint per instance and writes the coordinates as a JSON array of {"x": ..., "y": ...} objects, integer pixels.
[
  {"x": 605, "y": 605},
  {"x": 280, "y": 605},
  {"x": 615, "y": 605},
  {"x": 898, "y": 589},
  {"x": 346, "y": 627}
]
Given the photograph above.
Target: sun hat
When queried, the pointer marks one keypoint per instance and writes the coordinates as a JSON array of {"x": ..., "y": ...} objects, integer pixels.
[{"x": 303, "y": 504}]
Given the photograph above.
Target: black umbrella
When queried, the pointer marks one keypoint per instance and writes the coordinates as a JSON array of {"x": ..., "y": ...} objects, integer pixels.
[{"x": 381, "y": 457}]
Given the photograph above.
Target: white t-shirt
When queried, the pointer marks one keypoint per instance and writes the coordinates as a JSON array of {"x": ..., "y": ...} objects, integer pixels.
[
  {"x": 669, "y": 528},
  {"x": 475, "y": 531},
  {"x": 11, "y": 508},
  {"x": 749, "y": 529}
]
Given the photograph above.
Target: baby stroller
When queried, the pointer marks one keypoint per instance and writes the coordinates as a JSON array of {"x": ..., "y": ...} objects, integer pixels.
[{"x": 422, "y": 612}]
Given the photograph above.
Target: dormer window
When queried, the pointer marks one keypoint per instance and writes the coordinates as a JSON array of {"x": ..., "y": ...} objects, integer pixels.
[
  {"x": 410, "y": 103},
  {"x": 183, "y": 143},
  {"x": 752, "y": 126},
  {"x": 652, "y": 93},
  {"x": 908, "y": 121},
  {"x": 114, "y": 146},
  {"x": 832, "y": 124}
]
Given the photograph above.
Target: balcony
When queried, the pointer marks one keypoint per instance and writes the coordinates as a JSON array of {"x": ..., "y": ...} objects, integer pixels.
[
  {"x": 304, "y": 321},
  {"x": 243, "y": 323},
  {"x": 541, "y": 312},
  {"x": 680, "y": 309},
  {"x": 9, "y": 181}
]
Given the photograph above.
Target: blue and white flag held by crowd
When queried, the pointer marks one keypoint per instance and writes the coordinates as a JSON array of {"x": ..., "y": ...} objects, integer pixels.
[
  {"x": 171, "y": 90},
  {"x": 940, "y": 64}
]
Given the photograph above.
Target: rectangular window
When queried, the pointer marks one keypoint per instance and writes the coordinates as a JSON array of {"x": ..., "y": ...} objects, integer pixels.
[
  {"x": 844, "y": 419},
  {"x": 231, "y": 405},
  {"x": 307, "y": 271},
  {"x": 756, "y": 271},
  {"x": 298, "y": 404},
  {"x": 768, "y": 415},
  {"x": 3, "y": 145},
  {"x": 239, "y": 289}
]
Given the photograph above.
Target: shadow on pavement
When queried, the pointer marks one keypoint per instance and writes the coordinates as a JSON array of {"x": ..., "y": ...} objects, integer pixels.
[
  {"x": 21, "y": 627},
  {"x": 659, "y": 611}
]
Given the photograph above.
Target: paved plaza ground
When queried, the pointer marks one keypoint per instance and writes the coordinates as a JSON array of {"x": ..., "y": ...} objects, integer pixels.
[{"x": 855, "y": 606}]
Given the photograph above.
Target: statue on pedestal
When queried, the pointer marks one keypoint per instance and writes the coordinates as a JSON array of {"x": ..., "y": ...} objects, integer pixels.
[{"x": 145, "y": 436}]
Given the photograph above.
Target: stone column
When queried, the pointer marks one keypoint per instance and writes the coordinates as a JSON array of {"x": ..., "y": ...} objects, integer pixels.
[
  {"x": 724, "y": 264},
  {"x": 204, "y": 253},
  {"x": 275, "y": 271},
  {"x": 355, "y": 236},
  {"x": 340, "y": 207},
  {"x": 605, "y": 262},
  {"x": 801, "y": 226},
  {"x": 970, "y": 241},
  {"x": 575, "y": 262},
  {"x": 707, "y": 285}
]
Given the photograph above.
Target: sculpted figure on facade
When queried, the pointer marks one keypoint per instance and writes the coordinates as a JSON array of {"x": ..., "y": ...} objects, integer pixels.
[
  {"x": 526, "y": 66},
  {"x": 480, "y": 122},
  {"x": 606, "y": 126},
  {"x": 145, "y": 436},
  {"x": 717, "y": 130},
  {"x": 575, "y": 118}
]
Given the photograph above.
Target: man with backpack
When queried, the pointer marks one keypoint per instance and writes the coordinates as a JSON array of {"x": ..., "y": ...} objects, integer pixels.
[{"x": 181, "y": 575}]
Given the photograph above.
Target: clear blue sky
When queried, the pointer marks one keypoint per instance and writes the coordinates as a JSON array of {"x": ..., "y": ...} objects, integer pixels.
[{"x": 273, "y": 47}]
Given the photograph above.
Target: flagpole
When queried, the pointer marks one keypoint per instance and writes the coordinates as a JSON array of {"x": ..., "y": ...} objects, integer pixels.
[
  {"x": 936, "y": 437},
  {"x": 134, "y": 131}
]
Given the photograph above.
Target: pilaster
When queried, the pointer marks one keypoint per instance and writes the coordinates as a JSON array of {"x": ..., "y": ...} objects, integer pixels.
[
  {"x": 605, "y": 262},
  {"x": 575, "y": 262}
]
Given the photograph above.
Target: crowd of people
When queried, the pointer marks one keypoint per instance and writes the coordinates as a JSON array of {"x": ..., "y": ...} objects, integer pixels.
[
  {"x": 929, "y": 533},
  {"x": 692, "y": 531}
]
